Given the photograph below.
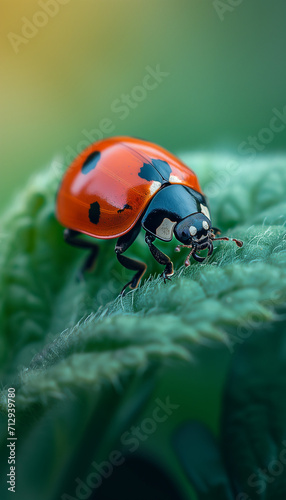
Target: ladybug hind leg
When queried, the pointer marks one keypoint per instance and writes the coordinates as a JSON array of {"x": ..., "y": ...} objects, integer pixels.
[
  {"x": 123, "y": 243},
  {"x": 72, "y": 238},
  {"x": 160, "y": 257}
]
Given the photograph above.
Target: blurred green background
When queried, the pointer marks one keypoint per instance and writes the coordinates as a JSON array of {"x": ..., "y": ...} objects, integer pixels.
[
  {"x": 77, "y": 70},
  {"x": 224, "y": 72}
]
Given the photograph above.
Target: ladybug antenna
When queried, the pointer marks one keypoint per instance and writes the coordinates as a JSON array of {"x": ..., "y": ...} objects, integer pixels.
[{"x": 239, "y": 243}]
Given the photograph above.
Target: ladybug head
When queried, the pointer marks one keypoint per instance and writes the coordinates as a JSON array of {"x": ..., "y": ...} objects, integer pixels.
[{"x": 195, "y": 231}]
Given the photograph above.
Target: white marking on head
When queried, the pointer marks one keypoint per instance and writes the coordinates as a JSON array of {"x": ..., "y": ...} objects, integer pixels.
[
  {"x": 155, "y": 186},
  {"x": 193, "y": 230},
  {"x": 205, "y": 225},
  {"x": 205, "y": 211},
  {"x": 165, "y": 230}
]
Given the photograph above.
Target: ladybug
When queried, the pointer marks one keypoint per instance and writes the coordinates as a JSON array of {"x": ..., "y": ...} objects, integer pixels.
[{"x": 120, "y": 184}]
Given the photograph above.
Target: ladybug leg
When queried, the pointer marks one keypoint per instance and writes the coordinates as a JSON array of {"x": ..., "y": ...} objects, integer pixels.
[
  {"x": 216, "y": 230},
  {"x": 160, "y": 257},
  {"x": 123, "y": 243},
  {"x": 178, "y": 247},
  {"x": 71, "y": 237}
]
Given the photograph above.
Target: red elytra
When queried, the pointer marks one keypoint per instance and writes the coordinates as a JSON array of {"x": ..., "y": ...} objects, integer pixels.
[{"x": 114, "y": 182}]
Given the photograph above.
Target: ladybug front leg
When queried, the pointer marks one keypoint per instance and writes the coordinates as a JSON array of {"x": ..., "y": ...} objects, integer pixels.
[{"x": 160, "y": 257}]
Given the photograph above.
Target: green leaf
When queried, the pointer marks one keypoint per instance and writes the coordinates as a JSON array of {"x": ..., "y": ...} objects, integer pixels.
[{"x": 67, "y": 346}]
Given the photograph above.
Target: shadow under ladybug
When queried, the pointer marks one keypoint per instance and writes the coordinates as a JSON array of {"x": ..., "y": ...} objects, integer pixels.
[{"x": 118, "y": 186}]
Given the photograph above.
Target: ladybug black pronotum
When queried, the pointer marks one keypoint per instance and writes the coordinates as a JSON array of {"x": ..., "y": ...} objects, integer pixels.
[{"x": 118, "y": 185}]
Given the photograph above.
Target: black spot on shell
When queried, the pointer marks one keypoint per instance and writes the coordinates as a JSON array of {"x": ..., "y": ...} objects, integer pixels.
[
  {"x": 91, "y": 162},
  {"x": 158, "y": 170},
  {"x": 163, "y": 168},
  {"x": 126, "y": 207},
  {"x": 94, "y": 212},
  {"x": 149, "y": 173}
]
